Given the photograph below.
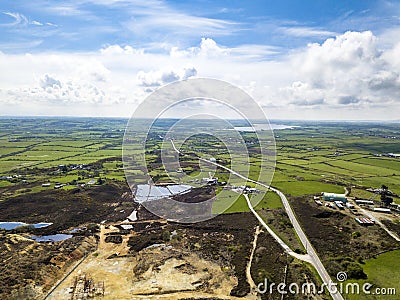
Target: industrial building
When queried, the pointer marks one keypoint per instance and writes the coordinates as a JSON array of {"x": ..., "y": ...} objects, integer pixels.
[
  {"x": 365, "y": 202},
  {"x": 334, "y": 197}
]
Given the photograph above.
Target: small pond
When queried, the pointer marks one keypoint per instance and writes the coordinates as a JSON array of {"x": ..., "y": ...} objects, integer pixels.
[
  {"x": 13, "y": 225},
  {"x": 52, "y": 238}
]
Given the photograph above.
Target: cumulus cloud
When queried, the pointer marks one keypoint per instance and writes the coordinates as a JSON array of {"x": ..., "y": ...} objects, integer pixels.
[
  {"x": 117, "y": 49},
  {"x": 67, "y": 91},
  {"x": 351, "y": 72},
  {"x": 49, "y": 82},
  {"x": 93, "y": 70},
  {"x": 384, "y": 80},
  {"x": 154, "y": 79},
  {"x": 189, "y": 72},
  {"x": 208, "y": 48},
  {"x": 346, "y": 70}
]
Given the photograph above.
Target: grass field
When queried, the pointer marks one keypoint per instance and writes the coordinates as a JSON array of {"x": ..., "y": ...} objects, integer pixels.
[
  {"x": 382, "y": 272},
  {"x": 310, "y": 159},
  {"x": 298, "y": 188},
  {"x": 270, "y": 201}
]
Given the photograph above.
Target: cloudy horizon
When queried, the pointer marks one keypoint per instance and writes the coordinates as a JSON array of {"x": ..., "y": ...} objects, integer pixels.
[{"x": 314, "y": 61}]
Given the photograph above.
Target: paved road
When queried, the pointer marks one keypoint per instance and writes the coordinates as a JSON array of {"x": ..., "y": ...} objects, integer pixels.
[
  {"x": 315, "y": 261},
  {"x": 303, "y": 257}
]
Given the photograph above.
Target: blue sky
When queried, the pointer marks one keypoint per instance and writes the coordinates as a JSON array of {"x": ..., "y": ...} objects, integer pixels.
[
  {"x": 89, "y": 25},
  {"x": 294, "y": 52}
]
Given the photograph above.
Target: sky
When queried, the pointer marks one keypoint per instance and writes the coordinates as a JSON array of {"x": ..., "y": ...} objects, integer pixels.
[{"x": 328, "y": 60}]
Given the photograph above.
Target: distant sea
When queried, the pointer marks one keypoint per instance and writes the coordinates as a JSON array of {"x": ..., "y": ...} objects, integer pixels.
[{"x": 259, "y": 127}]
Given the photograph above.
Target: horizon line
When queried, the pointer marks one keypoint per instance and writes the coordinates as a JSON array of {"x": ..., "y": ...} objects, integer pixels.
[{"x": 176, "y": 118}]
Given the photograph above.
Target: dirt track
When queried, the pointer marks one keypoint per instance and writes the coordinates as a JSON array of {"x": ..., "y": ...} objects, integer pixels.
[{"x": 160, "y": 272}]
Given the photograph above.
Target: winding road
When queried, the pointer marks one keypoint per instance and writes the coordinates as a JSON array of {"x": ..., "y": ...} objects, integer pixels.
[{"x": 313, "y": 256}]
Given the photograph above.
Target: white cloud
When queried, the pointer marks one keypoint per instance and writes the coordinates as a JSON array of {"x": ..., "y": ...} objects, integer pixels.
[
  {"x": 153, "y": 79},
  {"x": 208, "y": 48},
  {"x": 303, "y": 31},
  {"x": 350, "y": 69},
  {"x": 37, "y": 23},
  {"x": 19, "y": 19},
  {"x": 49, "y": 82},
  {"x": 385, "y": 80},
  {"x": 68, "y": 9},
  {"x": 189, "y": 72},
  {"x": 157, "y": 17},
  {"x": 350, "y": 76},
  {"x": 117, "y": 49}
]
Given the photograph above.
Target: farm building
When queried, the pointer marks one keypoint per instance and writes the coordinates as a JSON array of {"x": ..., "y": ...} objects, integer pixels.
[{"x": 334, "y": 197}]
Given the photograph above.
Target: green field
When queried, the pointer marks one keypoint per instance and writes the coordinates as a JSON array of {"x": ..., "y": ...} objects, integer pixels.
[
  {"x": 382, "y": 272},
  {"x": 269, "y": 201},
  {"x": 312, "y": 158}
]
